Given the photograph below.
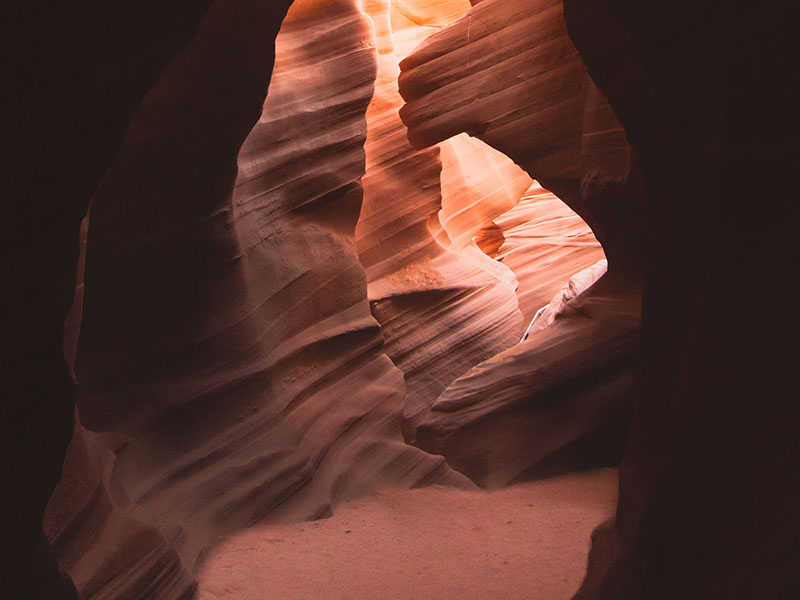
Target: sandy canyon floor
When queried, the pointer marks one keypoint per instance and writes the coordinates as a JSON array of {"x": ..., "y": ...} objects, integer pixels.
[{"x": 529, "y": 541}]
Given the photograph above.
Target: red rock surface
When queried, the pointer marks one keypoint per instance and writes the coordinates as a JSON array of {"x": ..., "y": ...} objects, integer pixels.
[
  {"x": 558, "y": 401},
  {"x": 514, "y": 415},
  {"x": 278, "y": 286},
  {"x": 226, "y": 318},
  {"x": 270, "y": 256},
  {"x": 441, "y": 311},
  {"x": 544, "y": 244},
  {"x": 508, "y": 74}
]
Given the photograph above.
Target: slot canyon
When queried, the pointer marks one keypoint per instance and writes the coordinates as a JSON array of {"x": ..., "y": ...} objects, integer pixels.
[{"x": 383, "y": 299}]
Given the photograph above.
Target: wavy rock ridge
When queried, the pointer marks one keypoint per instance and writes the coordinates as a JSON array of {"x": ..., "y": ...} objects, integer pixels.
[
  {"x": 226, "y": 419},
  {"x": 550, "y": 119},
  {"x": 257, "y": 326},
  {"x": 514, "y": 415},
  {"x": 228, "y": 353},
  {"x": 440, "y": 311}
]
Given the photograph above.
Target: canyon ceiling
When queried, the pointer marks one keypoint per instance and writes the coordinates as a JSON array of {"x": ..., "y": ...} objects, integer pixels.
[{"x": 263, "y": 257}]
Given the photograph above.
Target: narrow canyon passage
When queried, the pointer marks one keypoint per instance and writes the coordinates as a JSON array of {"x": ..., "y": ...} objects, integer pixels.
[
  {"x": 308, "y": 319},
  {"x": 525, "y": 542},
  {"x": 437, "y": 299}
]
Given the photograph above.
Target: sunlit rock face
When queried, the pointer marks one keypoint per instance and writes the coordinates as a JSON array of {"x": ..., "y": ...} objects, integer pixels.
[
  {"x": 544, "y": 244},
  {"x": 507, "y": 73},
  {"x": 478, "y": 184},
  {"x": 226, "y": 330},
  {"x": 441, "y": 309}
]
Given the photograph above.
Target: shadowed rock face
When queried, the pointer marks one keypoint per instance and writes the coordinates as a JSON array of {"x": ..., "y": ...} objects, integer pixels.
[
  {"x": 276, "y": 284},
  {"x": 556, "y": 402},
  {"x": 709, "y": 481},
  {"x": 226, "y": 331},
  {"x": 74, "y": 75}
]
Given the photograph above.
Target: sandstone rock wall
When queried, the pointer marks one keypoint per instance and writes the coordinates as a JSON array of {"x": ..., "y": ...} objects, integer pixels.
[
  {"x": 441, "y": 311},
  {"x": 226, "y": 330},
  {"x": 556, "y": 402},
  {"x": 544, "y": 244},
  {"x": 507, "y": 73},
  {"x": 274, "y": 288}
]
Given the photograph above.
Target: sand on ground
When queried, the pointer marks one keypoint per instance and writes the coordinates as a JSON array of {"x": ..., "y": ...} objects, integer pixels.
[{"x": 529, "y": 541}]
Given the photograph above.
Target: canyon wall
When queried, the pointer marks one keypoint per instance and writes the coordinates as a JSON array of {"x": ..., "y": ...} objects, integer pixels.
[
  {"x": 508, "y": 74},
  {"x": 226, "y": 341},
  {"x": 441, "y": 311},
  {"x": 240, "y": 283},
  {"x": 74, "y": 76},
  {"x": 709, "y": 480},
  {"x": 282, "y": 289},
  {"x": 226, "y": 338}
]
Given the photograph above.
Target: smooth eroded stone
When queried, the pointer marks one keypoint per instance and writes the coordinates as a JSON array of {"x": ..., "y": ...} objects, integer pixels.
[
  {"x": 441, "y": 310},
  {"x": 226, "y": 330}
]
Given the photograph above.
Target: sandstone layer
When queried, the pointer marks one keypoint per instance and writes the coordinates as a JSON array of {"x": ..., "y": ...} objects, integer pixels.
[
  {"x": 544, "y": 243},
  {"x": 277, "y": 287},
  {"x": 74, "y": 75},
  {"x": 508, "y": 73},
  {"x": 441, "y": 311},
  {"x": 557, "y": 401},
  {"x": 226, "y": 336}
]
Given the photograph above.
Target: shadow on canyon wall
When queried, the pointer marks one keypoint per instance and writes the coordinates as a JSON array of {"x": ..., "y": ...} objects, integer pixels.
[{"x": 281, "y": 290}]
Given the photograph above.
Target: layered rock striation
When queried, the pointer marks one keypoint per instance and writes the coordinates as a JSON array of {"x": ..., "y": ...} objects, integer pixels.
[
  {"x": 556, "y": 402},
  {"x": 227, "y": 340},
  {"x": 508, "y": 73},
  {"x": 279, "y": 286},
  {"x": 441, "y": 311},
  {"x": 544, "y": 243}
]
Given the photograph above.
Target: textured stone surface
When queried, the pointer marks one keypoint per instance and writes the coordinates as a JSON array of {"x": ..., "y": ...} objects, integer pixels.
[
  {"x": 508, "y": 74},
  {"x": 544, "y": 244},
  {"x": 73, "y": 75},
  {"x": 226, "y": 330},
  {"x": 441, "y": 311},
  {"x": 709, "y": 480},
  {"x": 256, "y": 324},
  {"x": 556, "y": 402},
  {"x": 478, "y": 184}
]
